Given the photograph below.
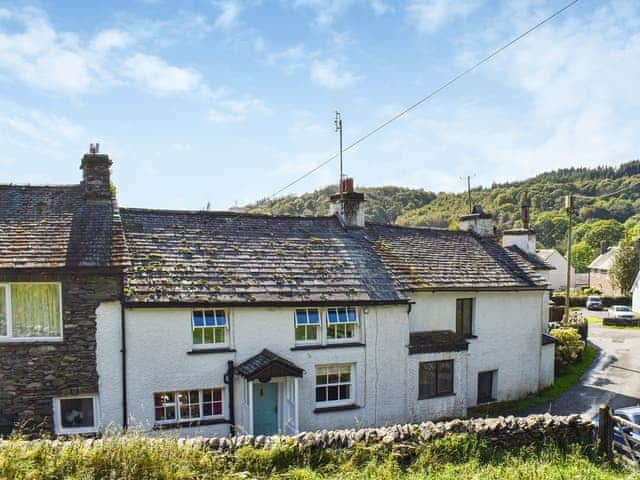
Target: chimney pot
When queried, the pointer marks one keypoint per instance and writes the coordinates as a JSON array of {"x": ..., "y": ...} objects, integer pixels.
[{"x": 347, "y": 185}]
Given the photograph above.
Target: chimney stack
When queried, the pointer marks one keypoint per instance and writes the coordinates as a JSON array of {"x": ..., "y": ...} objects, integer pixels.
[
  {"x": 348, "y": 205},
  {"x": 96, "y": 175},
  {"x": 524, "y": 238},
  {"x": 478, "y": 222},
  {"x": 604, "y": 248}
]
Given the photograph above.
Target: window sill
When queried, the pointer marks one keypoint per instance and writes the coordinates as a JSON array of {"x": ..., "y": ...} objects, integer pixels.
[
  {"x": 202, "y": 351},
  {"x": 470, "y": 337},
  {"x": 329, "y": 345},
  {"x": 195, "y": 423},
  {"x": 337, "y": 408},
  {"x": 440, "y": 395},
  {"x": 485, "y": 402},
  {"x": 22, "y": 341}
]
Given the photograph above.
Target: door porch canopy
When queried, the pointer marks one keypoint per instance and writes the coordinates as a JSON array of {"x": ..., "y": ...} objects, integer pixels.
[{"x": 267, "y": 365}]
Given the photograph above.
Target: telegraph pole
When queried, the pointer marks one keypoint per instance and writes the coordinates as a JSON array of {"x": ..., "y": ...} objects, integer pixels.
[
  {"x": 468, "y": 179},
  {"x": 338, "y": 122},
  {"x": 568, "y": 203}
]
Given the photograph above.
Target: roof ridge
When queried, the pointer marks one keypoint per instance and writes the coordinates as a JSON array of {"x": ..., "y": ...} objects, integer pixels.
[
  {"x": 413, "y": 227},
  {"x": 28, "y": 185},
  {"x": 222, "y": 213}
]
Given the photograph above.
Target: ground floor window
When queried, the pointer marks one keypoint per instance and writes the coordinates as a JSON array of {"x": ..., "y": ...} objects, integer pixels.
[
  {"x": 334, "y": 384},
  {"x": 435, "y": 379},
  {"x": 486, "y": 386},
  {"x": 75, "y": 414},
  {"x": 188, "y": 405}
]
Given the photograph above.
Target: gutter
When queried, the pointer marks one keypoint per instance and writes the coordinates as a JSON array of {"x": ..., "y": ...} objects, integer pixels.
[
  {"x": 228, "y": 379},
  {"x": 123, "y": 351},
  {"x": 308, "y": 303}
]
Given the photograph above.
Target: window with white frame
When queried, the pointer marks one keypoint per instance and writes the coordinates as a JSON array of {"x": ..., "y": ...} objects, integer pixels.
[
  {"x": 342, "y": 323},
  {"x": 75, "y": 414},
  {"x": 334, "y": 385},
  {"x": 210, "y": 327},
  {"x": 307, "y": 325},
  {"x": 30, "y": 311},
  {"x": 188, "y": 405}
]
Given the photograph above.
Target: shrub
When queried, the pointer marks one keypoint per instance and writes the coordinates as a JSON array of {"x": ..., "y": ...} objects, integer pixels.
[{"x": 569, "y": 348}]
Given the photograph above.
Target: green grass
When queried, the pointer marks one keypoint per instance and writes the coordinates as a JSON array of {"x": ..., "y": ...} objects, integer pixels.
[
  {"x": 594, "y": 320},
  {"x": 562, "y": 384},
  {"x": 457, "y": 457}
]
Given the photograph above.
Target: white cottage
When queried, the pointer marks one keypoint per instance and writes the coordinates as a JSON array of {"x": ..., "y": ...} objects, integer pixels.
[{"x": 242, "y": 323}]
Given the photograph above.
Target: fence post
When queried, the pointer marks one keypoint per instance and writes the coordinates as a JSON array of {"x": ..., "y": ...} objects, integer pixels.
[{"x": 605, "y": 431}]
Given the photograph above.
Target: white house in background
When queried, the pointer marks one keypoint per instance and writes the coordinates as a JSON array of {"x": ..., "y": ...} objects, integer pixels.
[
  {"x": 558, "y": 276},
  {"x": 240, "y": 323},
  {"x": 599, "y": 271}
]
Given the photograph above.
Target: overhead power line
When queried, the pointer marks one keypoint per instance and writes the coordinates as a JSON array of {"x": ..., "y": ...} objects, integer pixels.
[{"x": 428, "y": 97}]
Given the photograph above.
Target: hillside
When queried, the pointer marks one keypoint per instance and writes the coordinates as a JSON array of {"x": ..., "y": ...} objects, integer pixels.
[{"x": 607, "y": 219}]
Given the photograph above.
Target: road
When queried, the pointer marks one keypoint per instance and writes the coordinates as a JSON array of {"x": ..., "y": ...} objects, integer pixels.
[{"x": 614, "y": 378}]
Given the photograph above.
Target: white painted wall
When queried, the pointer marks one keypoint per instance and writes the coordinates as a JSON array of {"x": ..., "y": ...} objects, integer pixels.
[
  {"x": 524, "y": 240},
  {"x": 547, "y": 376},
  {"x": 109, "y": 365},
  {"x": 558, "y": 277},
  {"x": 438, "y": 407},
  {"x": 508, "y": 327}
]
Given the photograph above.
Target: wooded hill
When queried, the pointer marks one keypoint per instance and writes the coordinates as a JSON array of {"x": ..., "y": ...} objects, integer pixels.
[{"x": 606, "y": 219}]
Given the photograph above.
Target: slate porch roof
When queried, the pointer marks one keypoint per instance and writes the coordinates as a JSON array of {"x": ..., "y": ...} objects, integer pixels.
[
  {"x": 266, "y": 365},
  {"x": 438, "y": 259},
  {"x": 53, "y": 226},
  {"x": 436, "y": 341},
  {"x": 229, "y": 258}
]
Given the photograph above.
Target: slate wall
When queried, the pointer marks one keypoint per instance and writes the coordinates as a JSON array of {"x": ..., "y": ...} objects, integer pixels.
[{"x": 33, "y": 373}]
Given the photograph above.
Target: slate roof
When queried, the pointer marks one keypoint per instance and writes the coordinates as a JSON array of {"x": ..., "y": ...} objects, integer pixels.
[
  {"x": 53, "y": 226},
  {"x": 436, "y": 341},
  {"x": 604, "y": 260},
  {"x": 223, "y": 257},
  {"x": 437, "y": 259},
  {"x": 266, "y": 365},
  {"x": 538, "y": 262}
]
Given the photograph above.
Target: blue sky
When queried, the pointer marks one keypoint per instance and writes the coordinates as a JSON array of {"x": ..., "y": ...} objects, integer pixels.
[{"x": 226, "y": 101}]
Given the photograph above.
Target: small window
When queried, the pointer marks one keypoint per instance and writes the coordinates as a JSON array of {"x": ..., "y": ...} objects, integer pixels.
[
  {"x": 464, "y": 316},
  {"x": 342, "y": 323},
  {"x": 486, "y": 386},
  {"x": 210, "y": 327},
  {"x": 435, "y": 379},
  {"x": 30, "y": 311},
  {"x": 334, "y": 385},
  {"x": 307, "y": 325},
  {"x": 188, "y": 405},
  {"x": 75, "y": 415}
]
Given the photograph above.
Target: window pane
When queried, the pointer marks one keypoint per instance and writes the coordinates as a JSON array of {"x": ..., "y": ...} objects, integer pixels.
[
  {"x": 219, "y": 334},
  {"x": 198, "y": 319},
  {"x": 333, "y": 315},
  {"x": 314, "y": 317},
  {"x": 35, "y": 310},
  {"x": 301, "y": 317},
  {"x": 208, "y": 318},
  {"x": 301, "y": 333},
  {"x": 76, "y": 412},
  {"x": 321, "y": 394},
  {"x": 332, "y": 393},
  {"x": 345, "y": 376},
  {"x": 445, "y": 377},
  {"x": 344, "y": 392},
  {"x": 427, "y": 379},
  {"x": 3, "y": 311},
  {"x": 208, "y": 334},
  {"x": 221, "y": 319},
  {"x": 333, "y": 378},
  {"x": 352, "y": 315},
  {"x": 312, "y": 333},
  {"x": 207, "y": 409},
  {"x": 217, "y": 408},
  {"x": 342, "y": 315},
  {"x": 217, "y": 395},
  {"x": 197, "y": 336}
]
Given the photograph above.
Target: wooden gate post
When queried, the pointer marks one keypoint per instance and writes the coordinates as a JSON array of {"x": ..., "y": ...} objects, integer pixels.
[{"x": 605, "y": 431}]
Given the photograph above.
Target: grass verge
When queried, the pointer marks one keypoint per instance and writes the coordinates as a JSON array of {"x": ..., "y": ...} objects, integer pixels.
[
  {"x": 594, "y": 320},
  {"x": 618, "y": 327},
  {"x": 452, "y": 457},
  {"x": 562, "y": 384}
]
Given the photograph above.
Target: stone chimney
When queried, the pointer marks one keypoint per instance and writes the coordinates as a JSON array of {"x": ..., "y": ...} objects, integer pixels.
[
  {"x": 604, "y": 248},
  {"x": 524, "y": 238},
  {"x": 96, "y": 175},
  {"x": 348, "y": 206},
  {"x": 479, "y": 222}
]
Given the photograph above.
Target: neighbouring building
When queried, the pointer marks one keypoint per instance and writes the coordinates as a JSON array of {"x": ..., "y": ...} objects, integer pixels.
[
  {"x": 599, "y": 272},
  {"x": 558, "y": 276},
  {"x": 224, "y": 322}
]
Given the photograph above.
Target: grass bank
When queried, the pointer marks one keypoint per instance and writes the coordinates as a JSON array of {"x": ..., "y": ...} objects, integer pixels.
[
  {"x": 453, "y": 457},
  {"x": 562, "y": 384}
]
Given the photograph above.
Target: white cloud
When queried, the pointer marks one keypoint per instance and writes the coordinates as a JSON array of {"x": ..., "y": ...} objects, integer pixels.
[
  {"x": 229, "y": 14},
  {"x": 111, "y": 39},
  {"x": 153, "y": 73},
  {"x": 325, "y": 10},
  {"x": 431, "y": 15},
  {"x": 379, "y": 7},
  {"x": 329, "y": 73},
  {"x": 230, "y": 110}
]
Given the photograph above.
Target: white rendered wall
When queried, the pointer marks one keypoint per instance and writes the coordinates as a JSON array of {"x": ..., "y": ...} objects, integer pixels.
[
  {"x": 558, "y": 277},
  {"x": 158, "y": 341},
  {"x": 524, "y": 241},
  {"x": 547, "y": 366},
  {"x": 508, "y": 327},
  {"x": 437, "y": 407},
  {"x": 109, "y": 365}
]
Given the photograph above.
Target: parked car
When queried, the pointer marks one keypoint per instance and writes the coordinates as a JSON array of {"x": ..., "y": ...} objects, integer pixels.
[
  {"x": 620, "y": 312},
  {"x": 630, "y": 414},
  {"x": 594, "y": 302}
]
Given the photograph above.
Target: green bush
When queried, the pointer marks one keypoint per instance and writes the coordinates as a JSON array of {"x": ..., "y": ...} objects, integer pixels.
[{"x": 569, "y": 347}]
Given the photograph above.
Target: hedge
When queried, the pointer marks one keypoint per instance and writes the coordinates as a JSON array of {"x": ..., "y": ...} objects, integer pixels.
[{"x": 581, "y": 301}]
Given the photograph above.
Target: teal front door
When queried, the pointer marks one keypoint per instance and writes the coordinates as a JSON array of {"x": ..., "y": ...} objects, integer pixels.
[{"x": 265, "y": 408}]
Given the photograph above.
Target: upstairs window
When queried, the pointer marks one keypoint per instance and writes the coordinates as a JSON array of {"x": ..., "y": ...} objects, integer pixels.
[
  {"x": 188, "y": 405},
  {"x": 342, "y": 323},
  {"x": 307, "y": 325},
  {"x": 210, "y": 327},
  {"x": 30, "y": 311},
  {"x": 464, "y": 317}
]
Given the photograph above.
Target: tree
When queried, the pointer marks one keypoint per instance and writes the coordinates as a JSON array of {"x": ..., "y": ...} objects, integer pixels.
[
  {"x": 550, "y": 227},
  {"x": 608, "y": 231},
  {"x": 581, "y": 256},
  {"x": 624, "y": 268}
]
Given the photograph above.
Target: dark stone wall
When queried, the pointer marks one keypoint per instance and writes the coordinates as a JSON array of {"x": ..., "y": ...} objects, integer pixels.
[{"x": 31, "y": 374}]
